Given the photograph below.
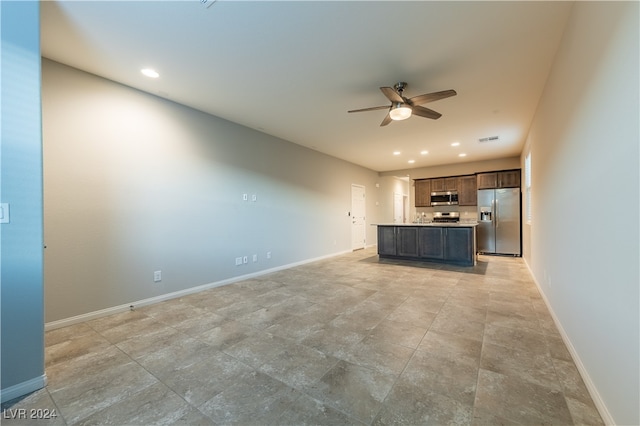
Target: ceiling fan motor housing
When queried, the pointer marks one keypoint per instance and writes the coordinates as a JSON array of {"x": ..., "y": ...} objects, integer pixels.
[{"x": 399, "y": 87}]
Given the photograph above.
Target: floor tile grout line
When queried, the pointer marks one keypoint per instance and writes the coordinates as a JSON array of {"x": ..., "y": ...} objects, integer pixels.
[{"x": 484, "y": 330}]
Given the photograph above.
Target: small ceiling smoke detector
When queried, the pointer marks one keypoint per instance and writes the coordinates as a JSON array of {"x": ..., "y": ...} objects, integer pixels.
[{"x": 489, "y": 139}]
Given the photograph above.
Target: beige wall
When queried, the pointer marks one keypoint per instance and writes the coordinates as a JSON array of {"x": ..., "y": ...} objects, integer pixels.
[
  {"x": 135, "y": 184},
  {"x": 582, "y": 244}
]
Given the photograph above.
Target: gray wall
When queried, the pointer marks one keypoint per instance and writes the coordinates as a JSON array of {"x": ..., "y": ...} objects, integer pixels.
[
  {"x": 582, "y": 244},
  {"x": 135, "y": 184},
  {"x": 21, "y": 275}
]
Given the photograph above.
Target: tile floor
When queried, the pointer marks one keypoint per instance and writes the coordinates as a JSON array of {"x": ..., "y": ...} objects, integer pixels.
[{"x": 348, "y": 340}]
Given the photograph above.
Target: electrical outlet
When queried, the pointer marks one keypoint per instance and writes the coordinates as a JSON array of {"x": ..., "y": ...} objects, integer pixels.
[
  {"x": 268, "y": 255},
  {"x": 255, "y": 257},
  {"x": 245, "y": 259},
  {"x": 157, "y": 276},
  {"x": 254, "y": 198},
  {"x": 238, "y": 261}
]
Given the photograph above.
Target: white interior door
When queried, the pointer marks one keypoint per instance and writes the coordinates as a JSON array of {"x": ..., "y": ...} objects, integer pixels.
[
  {"x": 358, "y": 210},
  {"x": 398, "y": 208}
]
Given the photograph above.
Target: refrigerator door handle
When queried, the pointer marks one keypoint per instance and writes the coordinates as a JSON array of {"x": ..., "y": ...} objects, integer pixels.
[
  {"x": 494, "y": 215},
  {"x": 495, "y": 212}
]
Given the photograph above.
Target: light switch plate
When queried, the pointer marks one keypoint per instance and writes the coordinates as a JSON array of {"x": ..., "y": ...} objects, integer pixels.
[{"x": 4, "y": 212}]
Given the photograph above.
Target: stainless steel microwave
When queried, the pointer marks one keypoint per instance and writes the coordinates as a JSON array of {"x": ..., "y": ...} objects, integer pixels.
[{"x": 444, "y": 198}]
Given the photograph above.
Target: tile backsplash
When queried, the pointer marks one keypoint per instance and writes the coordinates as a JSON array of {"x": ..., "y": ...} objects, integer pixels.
[{"x": 467, "y": 213}]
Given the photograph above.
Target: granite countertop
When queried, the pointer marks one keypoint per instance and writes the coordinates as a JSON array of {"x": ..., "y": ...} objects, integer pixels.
[{"x": 433, "y": 224}]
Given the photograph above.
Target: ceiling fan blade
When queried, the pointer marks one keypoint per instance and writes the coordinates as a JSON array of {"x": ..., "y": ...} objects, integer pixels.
[
  {"x": 386, "y": 120},
  {"x": 425, "y": 112},
  {"x": 370, "y": 109},
  {"x": 391, "y": 94},
  {"x": 430, "y": 97}
]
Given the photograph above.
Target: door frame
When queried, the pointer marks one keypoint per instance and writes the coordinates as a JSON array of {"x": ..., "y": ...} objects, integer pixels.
[{"x": 356, "y": 242}]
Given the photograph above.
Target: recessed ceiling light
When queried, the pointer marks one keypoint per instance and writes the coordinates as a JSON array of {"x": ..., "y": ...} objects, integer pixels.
[
  {"x": 150, "y": 73},
  {"x": 396, "y": 152},
  {"x": 424, "y": 152},
  {"x": 455, "y": 144},
  {"x": 411, "y": 161},
  {"x": 462, "y": 154}
]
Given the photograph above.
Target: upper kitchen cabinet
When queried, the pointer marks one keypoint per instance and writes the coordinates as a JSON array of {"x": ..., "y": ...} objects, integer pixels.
[
  {"x": 444, "y": 184},
  {"x": 467, "y": 193},
  {"x": 423, "y": 193},
  {"x": 487, "y": 180},
  {"x": 509, "y": 179},
  {"x": 502, "y": 179}
]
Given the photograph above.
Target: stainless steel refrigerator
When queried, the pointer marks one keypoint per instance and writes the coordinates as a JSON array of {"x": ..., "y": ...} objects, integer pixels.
[{"x": 499, "y": 229}]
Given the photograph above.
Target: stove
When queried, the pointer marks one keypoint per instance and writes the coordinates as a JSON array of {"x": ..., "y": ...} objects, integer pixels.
[{"x": 446, "y": 217}]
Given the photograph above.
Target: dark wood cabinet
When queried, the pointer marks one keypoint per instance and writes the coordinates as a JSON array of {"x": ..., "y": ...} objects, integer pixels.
[
  {"x": 407, "y": 241},
  {"x": 451, "y": 184},
  {"x": 387, "y": 240},
  {"x": 437, "y": 185},
  {"x": 431, "y": 243},
  {"x": 502, "y": 179},
  {"x": 509, "y": 179},
  {"x": 444, "y": 184},
  {"x": 423, "y": 193},
  {"x": 424, "y": 188},
  {"x": 466, "y": 186},
  {"x": 448, "y": 244},
  {"x": 467, "y": 191},
  {"x": 487, "y": 180},
  {"x": 459, "y": 245}
]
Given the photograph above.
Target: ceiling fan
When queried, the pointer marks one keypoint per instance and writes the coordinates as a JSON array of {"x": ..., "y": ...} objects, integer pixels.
[{"x": 402, "y": 108}]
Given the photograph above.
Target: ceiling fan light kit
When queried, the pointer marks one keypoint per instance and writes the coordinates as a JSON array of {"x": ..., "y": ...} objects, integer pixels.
[
  {"x": 399, "y": 111},
  {"x": 402, "y": 108}
]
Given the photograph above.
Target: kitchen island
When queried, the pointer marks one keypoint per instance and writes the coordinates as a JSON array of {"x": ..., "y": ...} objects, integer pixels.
[{"x": 436, "y": 242}]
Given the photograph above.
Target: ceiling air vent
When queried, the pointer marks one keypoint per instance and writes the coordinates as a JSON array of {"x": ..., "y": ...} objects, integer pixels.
[{"x": 489, "y": 139}]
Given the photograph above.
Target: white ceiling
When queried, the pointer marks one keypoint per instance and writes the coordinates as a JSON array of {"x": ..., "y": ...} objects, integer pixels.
[{"x": 293, "y": 69}]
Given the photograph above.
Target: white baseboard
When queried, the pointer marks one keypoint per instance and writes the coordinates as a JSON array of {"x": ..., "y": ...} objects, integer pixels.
[
  {"x": 23, "y": 388},
  {"x": 176, "y": 294},
  {"x": 591, "y": 387}
]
